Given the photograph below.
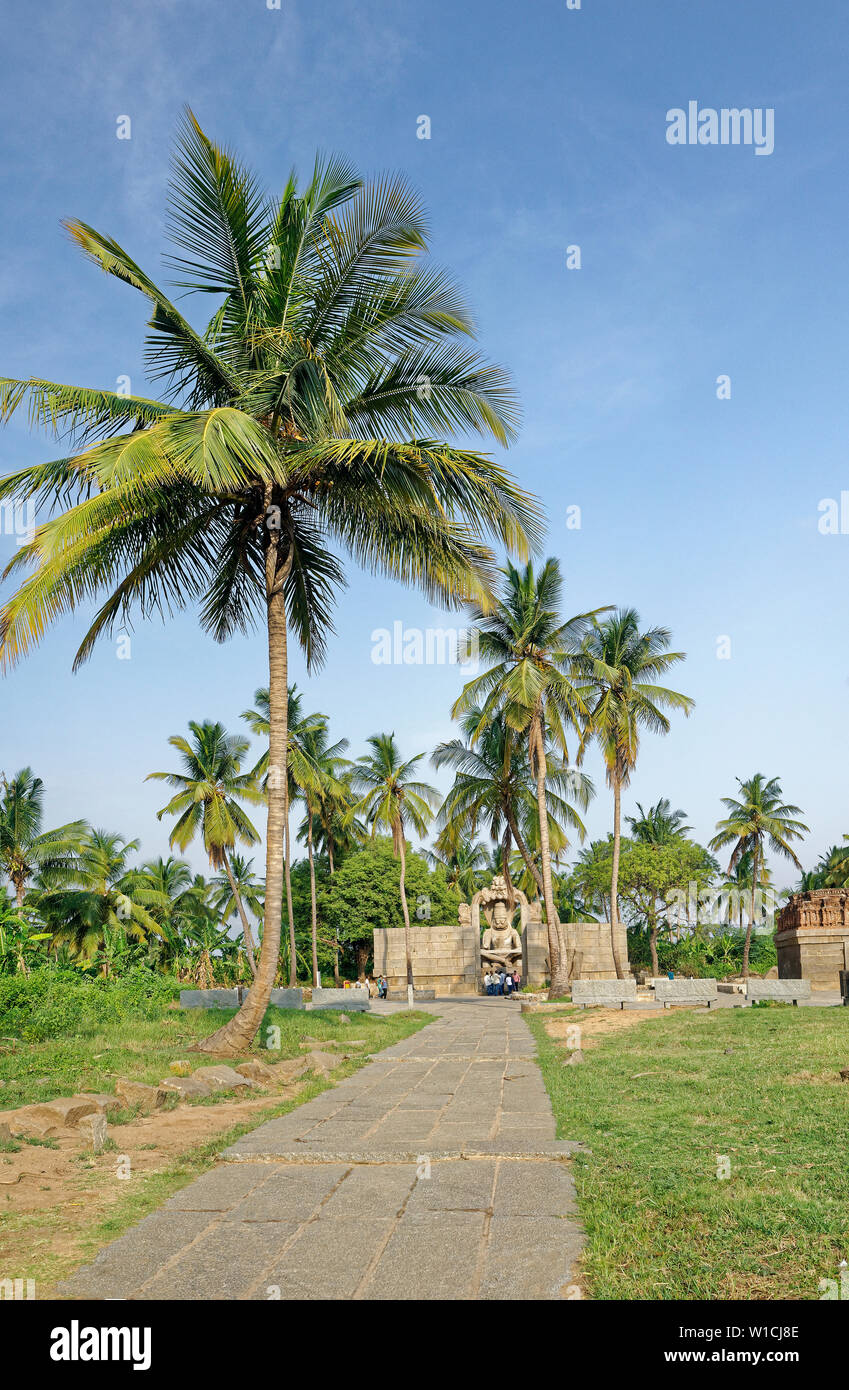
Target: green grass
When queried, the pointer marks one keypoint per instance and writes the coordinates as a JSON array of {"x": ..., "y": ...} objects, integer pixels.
[
  {"x": 658, "y": 1102},
  {"x": 142, "y": 1049}
]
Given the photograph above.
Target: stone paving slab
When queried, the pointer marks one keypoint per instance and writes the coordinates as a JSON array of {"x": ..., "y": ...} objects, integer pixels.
[{"x": 432, "y": 1173}]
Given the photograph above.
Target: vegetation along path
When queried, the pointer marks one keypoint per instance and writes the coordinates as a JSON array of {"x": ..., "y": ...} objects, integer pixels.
[{"x": 431, "y": 1173}]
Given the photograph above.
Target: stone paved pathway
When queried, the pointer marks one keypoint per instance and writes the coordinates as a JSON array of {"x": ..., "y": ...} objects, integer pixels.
[{"x": 432, "y": 1173}]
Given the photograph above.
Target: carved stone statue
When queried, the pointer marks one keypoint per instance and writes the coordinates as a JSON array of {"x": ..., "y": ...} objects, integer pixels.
[{"x": 501, "y": 944}]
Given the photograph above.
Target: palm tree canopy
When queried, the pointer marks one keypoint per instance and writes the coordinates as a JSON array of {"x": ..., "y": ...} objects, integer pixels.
[
  {"x": 25, "y": 848},
  {"x": 620, "y": 666},
  {"x": 756, "y": 817},
  {"x": 310, "y": 407},
  {"x": 659, "y": 825},
  {"x": 391, "y": 797},
  {"x": 529, "y": 653},
  {"x": 209, "y": 789}
]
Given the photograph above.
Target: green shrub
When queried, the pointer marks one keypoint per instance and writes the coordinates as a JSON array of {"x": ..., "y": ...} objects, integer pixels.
[{"x": 55, "y": 1003}]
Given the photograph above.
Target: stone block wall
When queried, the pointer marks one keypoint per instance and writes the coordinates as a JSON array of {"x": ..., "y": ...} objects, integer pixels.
[{"x": 446, "y": 958}]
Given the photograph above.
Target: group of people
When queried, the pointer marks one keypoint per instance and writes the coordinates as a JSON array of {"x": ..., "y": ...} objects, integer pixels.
[{"x": 502, "y": 982}]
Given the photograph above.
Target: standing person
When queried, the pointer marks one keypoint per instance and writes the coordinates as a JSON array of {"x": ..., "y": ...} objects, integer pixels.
[
  {"x": 517, "y": 981},
  {"x": 502, "y": 976},
  {"x": 508, "y": 983},
  {"x": 383, "y": 988}
]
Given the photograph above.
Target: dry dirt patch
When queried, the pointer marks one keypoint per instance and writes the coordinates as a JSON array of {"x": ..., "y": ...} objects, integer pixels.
[
  {"x": 62, "y": 1192},
  {"x": 596, "y": 1025}
]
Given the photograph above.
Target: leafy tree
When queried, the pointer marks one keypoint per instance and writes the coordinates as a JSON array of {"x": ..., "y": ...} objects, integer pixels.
[
  {"x": 392, "y": 800},
  {"x": 757, "y": 818},
  {"x": 620, "y": 667},
  {"x": 209, "y": 789},
  {"x": 651, "y": 873},
  {"x": 363, "y": 896},
  {"x": 529, "y": 681},
  {"x": 293, "y": 424},
  {"x": 25, "y": 848}
]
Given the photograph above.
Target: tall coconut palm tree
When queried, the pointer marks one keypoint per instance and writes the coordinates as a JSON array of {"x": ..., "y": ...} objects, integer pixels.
[
  {"x": 306, "y": 417},
  {"x": 493, "y": 785},
  {"x": 209, "y": 789},
  {"x": 98, "y": 897},
  {"x": 392, "y": 800},
  {"x": 659, "y": 825},
  {"x": 758, "y": 817},
  {"x": 326, "y": 765},
  {"x": 336, "y": 829},
  {"x": 529, "y": 681},
  {"x": 297, "y": 774},
  {"x": 250, "y": 889},
  {"x": 619, "y": 666},
  {"x": 25, "y": 848}
]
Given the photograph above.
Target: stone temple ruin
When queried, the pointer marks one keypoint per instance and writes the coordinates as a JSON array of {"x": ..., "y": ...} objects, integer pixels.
[
  {"x": 452, "y": 959},
  {"x": 812, "y": 937}
]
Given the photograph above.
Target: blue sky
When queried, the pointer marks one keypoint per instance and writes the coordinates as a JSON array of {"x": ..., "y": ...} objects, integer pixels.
[{"x": 548, "y": 129}]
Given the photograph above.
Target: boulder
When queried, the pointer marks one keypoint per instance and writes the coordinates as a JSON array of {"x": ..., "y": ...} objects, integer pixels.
[
  {"x": 24, "y": 1122},
  {"x": 575, "y": 1058},
  {"x": 186, "y": 1087},
  {"x": 844, "y": 1073},
  {"x": 223, "y": 1078},
  {"x": 343, "y": 1018},
  {"x": 180, "y": 1068},
  {"x": 105, "y": 1103},
  {"x": 255, "y": 1070},
  {"x": 136, "y": 1093},
  {"x": 64, "y": 1112},
  {"x": 94, "y": 1130},
  {"x": 323, "y": 1062},
  {"x": 5, "y": 1134},
  {"x": 290, "y": 1070}
]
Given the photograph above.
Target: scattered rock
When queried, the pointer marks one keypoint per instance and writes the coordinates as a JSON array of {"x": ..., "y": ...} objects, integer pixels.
[
  {"x": 844, "y": 1074},
  {"x": 255, "y": 1070},
  {"x": 107, "y": 1104},
  {"x": 292, "y": 1069},
  {"x": 65, "y": 1111},
  {"x": 133, "y": 1093},
  {"x": 223, "y": 1078},
  {"x": 5, "y": 1134},
  {"x": 323, "y": 1061},
  {"x": 343, "y": 1018},
  {"x": 25, "y": 1122},
  {"x": 180, "y": 1068},
  {"x": 186, "y": 1087},
  {"x": 728, "y": 1051},
  {"x": 93, "y": 1128},
  {"x": 575, "y": 1058}
]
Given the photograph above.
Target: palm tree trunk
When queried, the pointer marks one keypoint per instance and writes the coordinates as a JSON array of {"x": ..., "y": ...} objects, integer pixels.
[
  {"x": 20, "y": 885},
  {"x": 408, "y": 941},
  {"x": 313, "y": 912},
  {"x": 336, "y": 979},
  {"x": 556, "y": 952},
  {"x": 246, "y": 926},
  {"x": 293, "y": 962},
  {"x": 237, "y": 1035},
  {"x": 524, "y": 851},
  {"x": 655, "y": 970},
  {"x": 614, "y": 876},
  {"x": 751, "y": 923}
]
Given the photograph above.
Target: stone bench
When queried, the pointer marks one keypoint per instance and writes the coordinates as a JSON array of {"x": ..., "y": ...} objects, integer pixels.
[
  {"x": 668, "y": 992},
  {"x": 234, "y": 998},
  {"x": 350, "y": 1000},
  {"x": 603, "y": 992},
  {"x": 785, "y": 990}
]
